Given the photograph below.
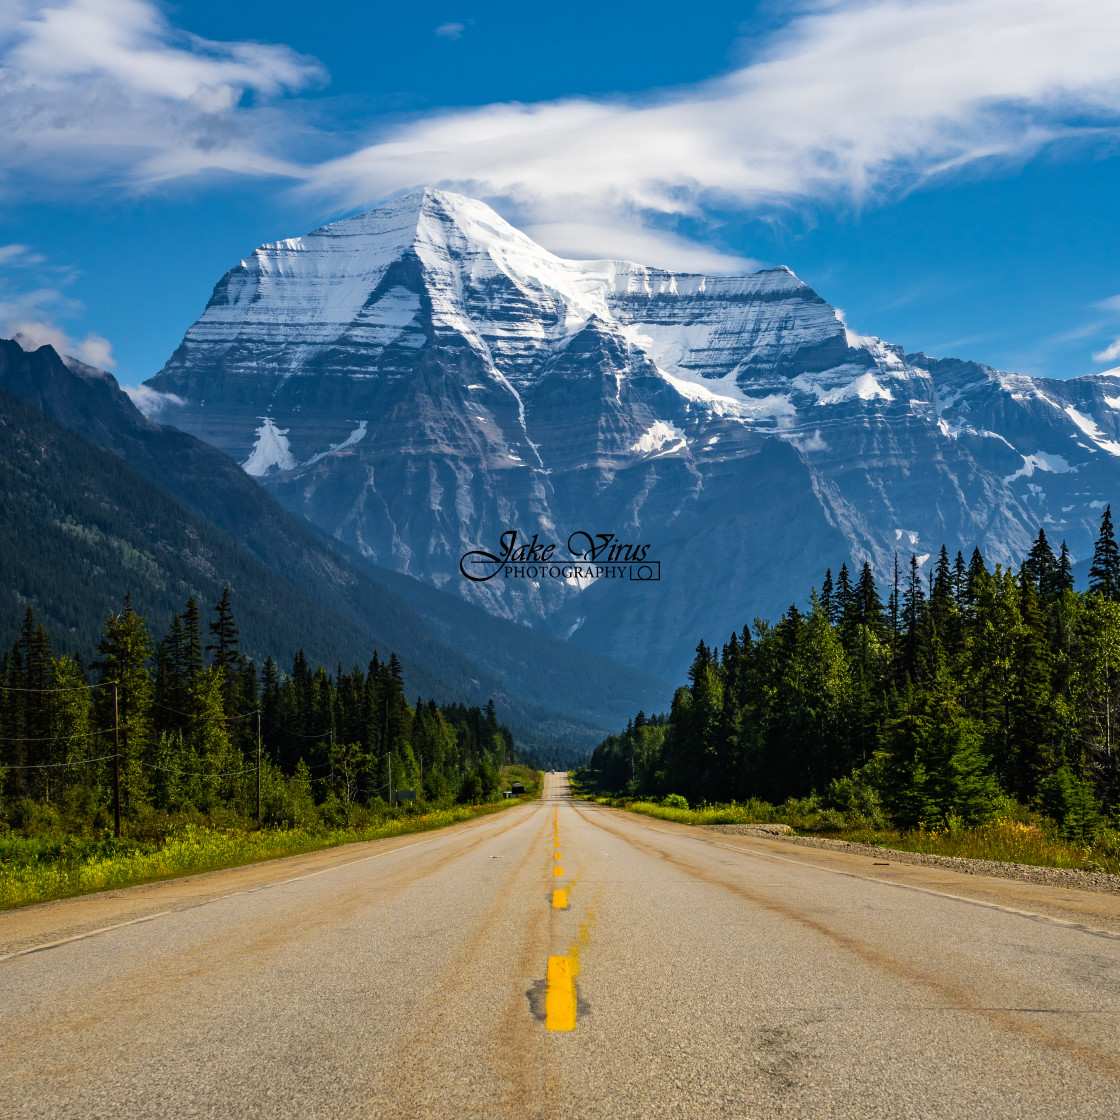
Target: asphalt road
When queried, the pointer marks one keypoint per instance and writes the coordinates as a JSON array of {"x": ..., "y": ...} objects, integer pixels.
[{"x": 716, "y": 976}]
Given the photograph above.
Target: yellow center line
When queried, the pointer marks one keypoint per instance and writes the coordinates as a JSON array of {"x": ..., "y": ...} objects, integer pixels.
[
  {"x": 559, "y": 900},
  {"x": 560, "y": 997},
  {"x": 557, "y": 871}
]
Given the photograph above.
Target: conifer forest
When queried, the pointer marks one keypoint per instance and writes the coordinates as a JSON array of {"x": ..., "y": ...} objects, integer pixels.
[
  {"x": 936, "y": 699},
  {"x": 152, "y": 730}
]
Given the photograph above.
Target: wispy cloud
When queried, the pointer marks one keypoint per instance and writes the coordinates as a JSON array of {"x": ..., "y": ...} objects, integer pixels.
[
  {"x": 151, "y": 402},
  {"x": 451, "y": 30},
  {"x": 19, "y": 256},
  {"x": 94, "y": 350},
  {"x": 1109, "y": 353},
  {"x": 109, "y": 89},
  {"x": 33, "y": 298},
  {"x": 849, "y": 102},
  {"x": 1112, "y": 351}
]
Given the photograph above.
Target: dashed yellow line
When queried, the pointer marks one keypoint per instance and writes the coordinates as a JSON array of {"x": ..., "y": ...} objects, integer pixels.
[
  {"x": 559, "y": 900},
  {"x": 557, "y": 871},
  {"x": 560, "y": 997}
]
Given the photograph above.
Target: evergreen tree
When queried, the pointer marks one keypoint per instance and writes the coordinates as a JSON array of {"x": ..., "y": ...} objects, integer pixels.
[
  {"x": 1042, "y": 568},
  {"x": 960, "y": 579},
  {"x": 226, "y": 656},
  {"x": 1104, "y": 575},
  {"x": 913, "y": 621},
  {"x": 123, "y": 654},
  {"x": 844, "y": 606},
  {"x": 827, "y": 603},
  {"x": 1030, "y": 710},
  {"x": 1065, "y": 570},
  {"x": 72, "y": 732}
]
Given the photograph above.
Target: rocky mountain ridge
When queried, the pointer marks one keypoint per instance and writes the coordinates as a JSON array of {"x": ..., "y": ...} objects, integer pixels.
[{"x": 419, "y": 379}]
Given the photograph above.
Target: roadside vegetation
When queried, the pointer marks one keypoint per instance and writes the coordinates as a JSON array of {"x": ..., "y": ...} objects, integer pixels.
[
  {"x": 49, "y": 864},
  {"x": 1015, "y": 835},
  {"x": 973, "y": 714},
  {"x": 159, "y": 760}
]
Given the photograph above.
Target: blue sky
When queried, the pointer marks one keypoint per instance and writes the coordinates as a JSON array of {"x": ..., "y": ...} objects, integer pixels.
[{"x": 946, "y": 172}]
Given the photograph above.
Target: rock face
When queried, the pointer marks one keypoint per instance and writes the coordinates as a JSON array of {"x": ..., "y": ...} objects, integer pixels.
[{"x": 422, "y": 378}]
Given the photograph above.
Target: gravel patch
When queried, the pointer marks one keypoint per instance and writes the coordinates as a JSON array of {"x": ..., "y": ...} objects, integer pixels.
[{"x": 1024, "y": 872}]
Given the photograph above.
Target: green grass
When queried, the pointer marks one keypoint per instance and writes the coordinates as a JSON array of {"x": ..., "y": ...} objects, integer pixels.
[
  {"x": 1005, "y": 841},
  {"x": 711, "y": 814},
  {"x": 40, "y": 869},
  {"x": 1033, "y": 840}
]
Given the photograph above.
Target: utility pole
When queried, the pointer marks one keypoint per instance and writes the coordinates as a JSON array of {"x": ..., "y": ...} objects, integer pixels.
[
  {"x": 389, "y": 756},
  {"x": 258, "y": 768},
  {"x": 117, "y": 760}
]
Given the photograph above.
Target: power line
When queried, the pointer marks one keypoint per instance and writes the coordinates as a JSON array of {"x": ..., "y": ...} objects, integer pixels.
[
  {"x": 76, "y": 688},
  {"x": 194, "y": 773},
  {"x": 55, "y": 765},
  {"x": 55, "y": 738}
]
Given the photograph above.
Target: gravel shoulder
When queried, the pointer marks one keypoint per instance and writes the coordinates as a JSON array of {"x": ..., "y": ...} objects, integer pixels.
[{"x": 1022, "y": 872}]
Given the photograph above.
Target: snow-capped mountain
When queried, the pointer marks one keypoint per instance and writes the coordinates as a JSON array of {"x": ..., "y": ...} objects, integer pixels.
[{"x": 421, "y": 378}]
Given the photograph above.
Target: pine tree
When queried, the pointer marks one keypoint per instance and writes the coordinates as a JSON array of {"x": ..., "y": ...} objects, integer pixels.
[
  {"x": 942, "y": 605},
  {"x": 827, "y": 603},
  {"x": 913, "y": 620},
  {"x": 894, "y": 604},
  {"x": 1065, "y": 571},
  {"x": 1043, "y": 568},
  {"x": 192, "y": 663},
  {"x": 844, "y": 597},
  {"x": 123, "y": 654},
  {"x": 227, "y": 657},
  {"x": 72, "y": 727},
  {"x": 976, "y": 572},
  {"x": 960, "y": 579},
  {"x": 934, "y": 769},
  {"x": 34, "y": 657},
  {"x": 1104, "y": 575},
  {"x": 1030, "y": 708}
]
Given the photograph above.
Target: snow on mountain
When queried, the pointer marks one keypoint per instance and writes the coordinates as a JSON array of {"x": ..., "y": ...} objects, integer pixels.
[{"x": 423, "y": 377}]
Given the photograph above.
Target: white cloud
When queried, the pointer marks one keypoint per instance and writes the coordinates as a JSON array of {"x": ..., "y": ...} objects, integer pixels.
[
  {"x": 19, "y": 256},
  {"x": 109, "y": 89},
  {"x": 851, "y": 101},
  {"x": 151, "y": 402},
  {"x": 33, "y": 299},
  {"x": 626, "y": 240},
  {"x": 450, "y": 30},
  {"x": 848, "y": 102},
  {"x": 1109, "y": 353},
  {"x": 94, "y": 350},
  {"x": 1110, "y": 304}
]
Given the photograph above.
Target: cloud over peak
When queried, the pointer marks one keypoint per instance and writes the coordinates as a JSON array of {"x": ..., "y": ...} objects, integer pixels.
[{"x": 848, "y": 102}]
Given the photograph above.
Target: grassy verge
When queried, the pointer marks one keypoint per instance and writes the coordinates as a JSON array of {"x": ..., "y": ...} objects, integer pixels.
[
  {"x": 1006, "y": 840},
  {"x": 41, "y": 869}
]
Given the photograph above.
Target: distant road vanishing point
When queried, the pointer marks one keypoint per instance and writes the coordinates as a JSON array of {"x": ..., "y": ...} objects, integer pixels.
[{"x": 562, "y": 959}]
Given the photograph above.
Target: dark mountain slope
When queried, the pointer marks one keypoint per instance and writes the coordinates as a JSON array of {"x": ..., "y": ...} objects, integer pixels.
[
  {"x": 79, "y": 529},
  {"x": 544, "y": 687}
]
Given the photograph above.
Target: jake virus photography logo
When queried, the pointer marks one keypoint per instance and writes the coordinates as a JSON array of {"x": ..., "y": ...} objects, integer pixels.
[{"x": 589, "y": 557}]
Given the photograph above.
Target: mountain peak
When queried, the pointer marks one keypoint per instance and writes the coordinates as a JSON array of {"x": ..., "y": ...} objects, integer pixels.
[{"x": 420, "y": 215}]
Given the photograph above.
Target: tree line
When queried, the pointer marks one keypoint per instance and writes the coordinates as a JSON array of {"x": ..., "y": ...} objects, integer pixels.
[
  {"x": 176, "y": 726},
  {"x": 966, "y": 686}
]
